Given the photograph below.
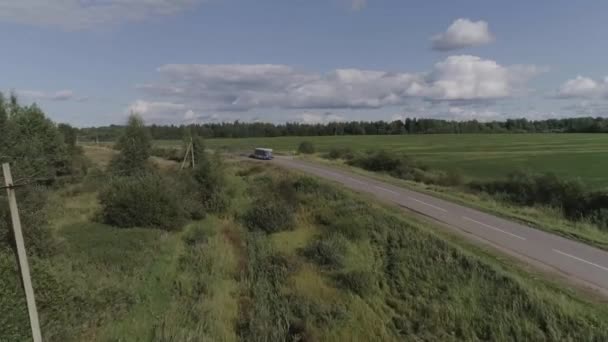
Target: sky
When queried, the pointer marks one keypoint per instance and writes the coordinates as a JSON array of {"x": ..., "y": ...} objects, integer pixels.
[{"x": 92, "y": 62}]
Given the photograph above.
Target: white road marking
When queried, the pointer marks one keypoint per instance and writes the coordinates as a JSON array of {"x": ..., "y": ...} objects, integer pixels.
[
  {"x": 581, "y": 260},
  {"x": 428, "y": 204},
  {"x": 494, "y": 228},
  {"x": 387, "y": 190}
]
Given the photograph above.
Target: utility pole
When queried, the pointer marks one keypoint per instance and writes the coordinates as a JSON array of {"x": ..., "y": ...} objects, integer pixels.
[
  {"x": 21, "y": 254},
  {"x": 192, "y": 151},
  {"x": 185, "y": 156}
]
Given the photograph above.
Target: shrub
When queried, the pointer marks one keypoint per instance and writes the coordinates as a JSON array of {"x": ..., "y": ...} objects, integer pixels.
[
  {"x": 340, "y": 153},
  {"x": 450, "y": 178},
  {"x": 190, "y": 197},
  {"x": 600, "y": 218},
  {"x": 32, "y": 212},
  {"x": 169, "y": 153},
  {"x": 306, "y": 147},
  {"x": 327, "y": 252},
  {"x": 359, "y": 282},
  {"x": 269, "y": 216},
  {"x": 316, "y": 189},
  {"x": 141, "y": 201},
  {"x": 255, "y": 169},
  {"x": 197, "y": 234},
  {"x": 403, "y": 167},
  {"x": 378, "y": 161},
  {"x": 576, "y": 201},
  {"x": 210, "y": 178},
  {"x": 351, "y": 228}
]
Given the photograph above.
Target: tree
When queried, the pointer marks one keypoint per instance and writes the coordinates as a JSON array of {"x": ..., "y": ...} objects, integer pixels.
[
  {"x": 69, "y": 134},
  {"x": 32, "y": 142},
  {"x": 198, "y": 145},
  {"x": 134, "y": 145},
  {"x": 3, "y": 124},
  {"x": 210, "y": 177},
  {"x": 306, "y": 147}
]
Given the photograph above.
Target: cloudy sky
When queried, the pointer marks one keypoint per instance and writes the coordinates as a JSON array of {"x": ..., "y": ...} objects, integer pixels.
[{"x": 91, "y": 62}]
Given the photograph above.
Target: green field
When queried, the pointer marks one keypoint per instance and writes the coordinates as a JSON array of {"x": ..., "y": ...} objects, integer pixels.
[
  {"x": 325, "y": 273},
  {"x": 480, "y": 156}
]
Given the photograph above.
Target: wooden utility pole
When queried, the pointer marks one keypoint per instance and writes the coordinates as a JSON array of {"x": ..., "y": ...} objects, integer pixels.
[
  {"x": 192, "y": 151},
  {"x": 22, "y": 255},
  {"x": 185, "y": 156}
]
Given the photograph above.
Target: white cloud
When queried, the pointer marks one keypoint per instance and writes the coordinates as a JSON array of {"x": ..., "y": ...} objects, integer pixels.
[
  {"x": 314, "y": 118},
  {"x": 36, "y": 95},
  {"x": 584, "y": 87},
  {"x": 159, "y": 112},
  {"x": 78, "y": 14},
  {"x": 472, "y": 78},
  {"x": 242, "y": 87},
  {"x": 461, "y": 34}
]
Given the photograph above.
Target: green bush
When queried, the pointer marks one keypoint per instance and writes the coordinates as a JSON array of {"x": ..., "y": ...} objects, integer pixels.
[
  {"x": 190, "y": 196},
  {"x": 403, "y": 167},
  {"x": 32, "y": 212},
  {"x": 351, "y": 228},
  {"x": 141, "y": 201},
  {"x": 379, "y": 161},
  {"x": 327, "y": 252},
  {"x": 359, "y": 282},
  {"x": 270, "y": 216},
  {"x": 306, "y": 147},
  {"x": 571, "y": 196},
  {"x": 197, "y": 234},
  {"x": 450, "y": 178},
  {"x": 14, "y": 320},
  {"x": 255, "y": 169},
  {"x": 169, "y": 153},
  {"x": 313, "y": 189},
  {"x": 345, "y": 153},
  {"x": 210, "y": 177}
]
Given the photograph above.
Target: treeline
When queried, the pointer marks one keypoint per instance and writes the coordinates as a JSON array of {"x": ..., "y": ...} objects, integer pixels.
[{"x": 239, "y": 129}]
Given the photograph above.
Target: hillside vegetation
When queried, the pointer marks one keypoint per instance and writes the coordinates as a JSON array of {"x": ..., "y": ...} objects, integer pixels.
[
  {"x": 334, "y": 267},
  {"x": 256, "y": 253}
]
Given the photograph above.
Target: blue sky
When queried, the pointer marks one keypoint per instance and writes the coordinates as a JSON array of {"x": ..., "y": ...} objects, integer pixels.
[{"x": 91, "y": 62}]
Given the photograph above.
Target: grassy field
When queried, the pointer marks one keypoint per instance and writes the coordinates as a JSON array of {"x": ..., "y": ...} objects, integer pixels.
[
  {"x": 542, "y": 217},
  {"x": 341, "y": 268},
  {"x": 478, "y": 156}
]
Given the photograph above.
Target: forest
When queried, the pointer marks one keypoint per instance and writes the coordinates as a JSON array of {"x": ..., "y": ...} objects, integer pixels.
[{"x": 239, "y": 129}]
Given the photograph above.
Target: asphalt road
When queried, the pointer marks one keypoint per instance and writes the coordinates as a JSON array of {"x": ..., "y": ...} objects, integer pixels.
[{"x": 577, "y": 261}]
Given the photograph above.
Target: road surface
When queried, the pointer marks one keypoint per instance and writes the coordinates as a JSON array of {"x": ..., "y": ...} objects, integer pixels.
[{"x": 577, "y": 261}]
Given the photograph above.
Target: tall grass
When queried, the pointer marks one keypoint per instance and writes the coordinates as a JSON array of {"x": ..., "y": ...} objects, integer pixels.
[
  {"x": 384, "y": 276},
  {"x": 347, "y": 270}
]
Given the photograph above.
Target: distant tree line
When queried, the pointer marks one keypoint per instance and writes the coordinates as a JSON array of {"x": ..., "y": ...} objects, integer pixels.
[{"x": 239, "y": 129}]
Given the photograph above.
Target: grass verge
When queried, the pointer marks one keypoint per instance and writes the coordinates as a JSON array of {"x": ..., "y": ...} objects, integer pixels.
[{"x": 545, "y": 218}]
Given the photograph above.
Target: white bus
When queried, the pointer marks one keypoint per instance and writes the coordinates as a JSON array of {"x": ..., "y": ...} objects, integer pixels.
[{"x": 262, "y": 153}]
